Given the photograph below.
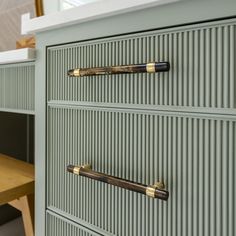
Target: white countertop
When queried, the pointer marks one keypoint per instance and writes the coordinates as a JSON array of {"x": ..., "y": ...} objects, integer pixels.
[
  {"x": 84, "y": 13},
  {"x": 18, "y": 55}
]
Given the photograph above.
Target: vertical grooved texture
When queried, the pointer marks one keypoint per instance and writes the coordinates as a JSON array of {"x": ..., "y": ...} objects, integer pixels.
[
  {"x": 61, "y": 227},
  {"x": 191, "y": 155},
  {"x": 202, "y": 70},
  {"x": 194, "y": 156},
  {"x": 17, "y": 87}
]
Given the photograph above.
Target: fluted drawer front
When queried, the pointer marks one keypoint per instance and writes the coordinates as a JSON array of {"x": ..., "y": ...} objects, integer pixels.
[
  {"x": 2, "y": 83},
  {"x": 59, "y": 226},
  {"x": 17, "y": 87},
  {"x": 202, "y": 68},
  {"x": 193, "y": 155}
]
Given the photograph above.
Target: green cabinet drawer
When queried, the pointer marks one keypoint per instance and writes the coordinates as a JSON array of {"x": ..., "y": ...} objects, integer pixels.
[
  {"x": 202, "y": 73},
  {"x": 59, "y": 226},
  {"x": 17, "y": 90},
  {"x": 194, "y": 154}
]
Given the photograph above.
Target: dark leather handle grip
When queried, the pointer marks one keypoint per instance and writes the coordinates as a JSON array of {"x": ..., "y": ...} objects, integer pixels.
[
  {"x": 151, "y": 67},
  {"x": 154, "y": 191}
]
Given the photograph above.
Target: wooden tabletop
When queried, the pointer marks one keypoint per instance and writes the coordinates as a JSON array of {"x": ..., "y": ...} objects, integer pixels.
[{"x": 16, "y": 179}]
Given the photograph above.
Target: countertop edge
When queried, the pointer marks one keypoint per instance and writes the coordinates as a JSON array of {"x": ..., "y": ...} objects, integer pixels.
[
  {"x": 85, "y": 13},
  {"x": 17, "y": 56}
]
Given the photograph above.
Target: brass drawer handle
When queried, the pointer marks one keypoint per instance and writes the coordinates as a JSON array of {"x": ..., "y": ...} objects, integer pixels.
[
  {"x": 151, "y": 67},
  {"x": 154, "y": 191}
]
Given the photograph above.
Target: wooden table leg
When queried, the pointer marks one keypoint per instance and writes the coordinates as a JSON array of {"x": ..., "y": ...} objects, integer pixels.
[{"x": 27, "y": 209}]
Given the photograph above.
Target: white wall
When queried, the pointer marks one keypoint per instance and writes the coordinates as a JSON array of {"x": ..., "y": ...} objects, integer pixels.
[{"x": 10, "y": 21}]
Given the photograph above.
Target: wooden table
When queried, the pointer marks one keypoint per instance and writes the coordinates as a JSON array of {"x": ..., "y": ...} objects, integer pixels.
[{"x": 17, "y": 188}]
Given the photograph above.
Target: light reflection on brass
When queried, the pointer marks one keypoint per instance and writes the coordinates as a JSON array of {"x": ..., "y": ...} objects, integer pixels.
[
  {"x": 76, "y": 72},
  {"x": 150, "y": 67},
  {"x": 150, "y": 191},
  {"x": 76, "y": 169}
]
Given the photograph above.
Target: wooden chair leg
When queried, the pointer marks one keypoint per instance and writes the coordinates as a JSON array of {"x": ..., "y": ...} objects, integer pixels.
[{"x": 27, "y": 209}]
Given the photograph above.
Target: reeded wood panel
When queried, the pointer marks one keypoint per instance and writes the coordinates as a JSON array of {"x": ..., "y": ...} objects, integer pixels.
[
  {"x": 57, "y": 226},
  {"x": 202, "y": 59},
  {"x": 17, "y": 87},
  {"x": 195, "y": 157},
  {"x": 2, "y": 85}
]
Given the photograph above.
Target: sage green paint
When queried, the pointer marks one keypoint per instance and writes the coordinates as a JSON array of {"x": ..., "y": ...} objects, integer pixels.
[
  {"x": 17, "y": 84},
  {"x": 59, "y": 226},
  {"x": 158, "y": 17}
]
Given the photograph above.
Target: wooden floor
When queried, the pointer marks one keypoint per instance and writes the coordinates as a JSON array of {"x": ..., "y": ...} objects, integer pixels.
[{"x": 13, "y": 228}]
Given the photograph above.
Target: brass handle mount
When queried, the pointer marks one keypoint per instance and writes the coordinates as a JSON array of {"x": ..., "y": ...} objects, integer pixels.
[{"x": 154, "y": 191}]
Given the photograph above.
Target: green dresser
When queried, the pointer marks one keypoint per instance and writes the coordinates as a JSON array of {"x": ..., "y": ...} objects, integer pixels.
[{"x": 178, "y": 127}]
